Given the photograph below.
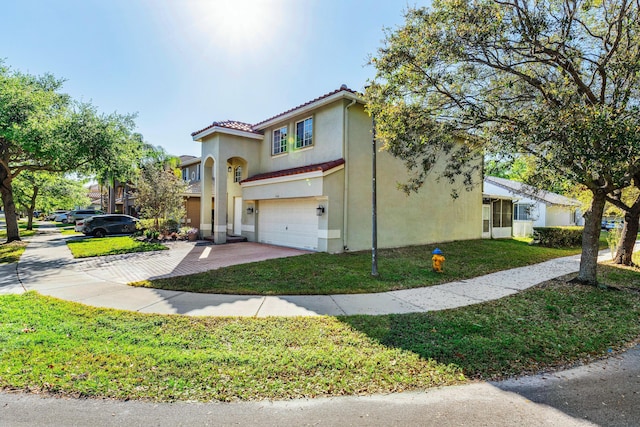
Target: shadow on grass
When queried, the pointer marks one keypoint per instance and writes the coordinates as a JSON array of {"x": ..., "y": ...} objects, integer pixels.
[{"x": 544, "y": 328}]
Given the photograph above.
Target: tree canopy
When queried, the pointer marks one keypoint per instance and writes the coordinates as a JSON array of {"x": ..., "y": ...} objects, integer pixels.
[
  {"x": 555, "y": 80},
  {"x": 42, "y": 129}
]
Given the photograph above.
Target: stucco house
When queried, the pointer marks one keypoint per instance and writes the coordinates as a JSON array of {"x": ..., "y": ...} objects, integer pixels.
[
  {"x": 303, "y": 179},
  {"x": 532, "y": 207}
]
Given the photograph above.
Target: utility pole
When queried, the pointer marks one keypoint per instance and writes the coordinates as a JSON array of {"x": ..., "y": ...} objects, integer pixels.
[{"x": 374, "y": 203}]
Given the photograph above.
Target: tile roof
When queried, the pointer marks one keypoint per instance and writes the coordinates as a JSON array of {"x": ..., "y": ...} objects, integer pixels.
[
  {"x": 319, "y": 167},
  {"x": 245, "y": 127},
  {"x": 320, "y": 98},
  {"x": 229, "y": 124},
  {"x": 532, "y": 192}
]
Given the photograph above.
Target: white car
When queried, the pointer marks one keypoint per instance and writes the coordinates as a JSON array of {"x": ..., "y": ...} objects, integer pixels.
[
  {"x": 61, "y": 217},
  {"x": 57, "y": 215}
]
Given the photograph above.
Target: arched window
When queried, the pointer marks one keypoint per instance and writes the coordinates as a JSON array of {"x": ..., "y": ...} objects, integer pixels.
[{"x": 237, "y": 176}]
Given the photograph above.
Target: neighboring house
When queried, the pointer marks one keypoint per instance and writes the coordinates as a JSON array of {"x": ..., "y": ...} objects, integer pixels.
[
  {"x": 94, "y": 192},
  {"x": 497, "y": 216},
  {"x": 191, "y": 174},
  {"x": 303, "y": 179},
  {"x": 533, "y": 207}
]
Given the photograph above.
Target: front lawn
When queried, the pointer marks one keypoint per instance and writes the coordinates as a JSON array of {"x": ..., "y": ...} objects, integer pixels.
[
  {"x": 90, "y": 247},
  {"x": 402, "y": 268},
  {"x": 64, "y": 348}
]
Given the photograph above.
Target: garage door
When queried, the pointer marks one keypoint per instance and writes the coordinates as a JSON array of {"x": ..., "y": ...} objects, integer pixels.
[{"x": 289, "y": 222}]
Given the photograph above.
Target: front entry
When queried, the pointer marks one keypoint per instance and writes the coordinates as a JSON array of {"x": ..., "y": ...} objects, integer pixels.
[{"x": 237, "y": 216}]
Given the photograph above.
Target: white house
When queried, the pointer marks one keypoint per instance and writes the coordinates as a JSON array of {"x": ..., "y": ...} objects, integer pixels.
[{"x": 533, "y": 207}]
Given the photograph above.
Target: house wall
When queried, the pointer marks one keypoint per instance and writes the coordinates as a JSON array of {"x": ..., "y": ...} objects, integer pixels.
[
  {"x": 327, "y": 141},
  {"x": 559, "y": 216},
  {"x": 431, "y": 215}
]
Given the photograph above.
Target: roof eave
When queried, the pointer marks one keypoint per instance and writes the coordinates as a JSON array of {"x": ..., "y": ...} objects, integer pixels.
[
  {"x": 306, "y": 108},
  {"x": 219, "y": 129}
]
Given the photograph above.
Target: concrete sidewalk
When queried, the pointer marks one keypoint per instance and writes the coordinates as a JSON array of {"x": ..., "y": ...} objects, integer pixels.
[{"x": 48, "y": 267}]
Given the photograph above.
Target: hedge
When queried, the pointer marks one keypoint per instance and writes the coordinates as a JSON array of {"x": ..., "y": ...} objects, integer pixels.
[{"x": 558, "y": 237}]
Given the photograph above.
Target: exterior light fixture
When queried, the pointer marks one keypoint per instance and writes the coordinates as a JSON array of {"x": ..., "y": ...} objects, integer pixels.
[
  {"x": 229, "y": 169},
  {"x": 320, "y": 210},
  {"x": 250, "y": 210}
]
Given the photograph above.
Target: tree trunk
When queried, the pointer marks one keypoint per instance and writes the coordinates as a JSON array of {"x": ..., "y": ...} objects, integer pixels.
[
  {"x": 10, "y": 216},
  {"x": 31, "y": 208},
  {"x": 591, "y": 240},
  {"x": 624, "y": 251}
]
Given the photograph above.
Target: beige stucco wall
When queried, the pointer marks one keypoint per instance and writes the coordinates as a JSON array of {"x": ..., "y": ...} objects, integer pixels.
[
  {"x": 225, "y": 150},
  {"x": 327, "y": 140},
  {"x": 431, "y": 215}
]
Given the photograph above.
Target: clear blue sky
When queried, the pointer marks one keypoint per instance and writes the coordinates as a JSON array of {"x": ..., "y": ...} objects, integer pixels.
[{"x": 182, "y": 64}]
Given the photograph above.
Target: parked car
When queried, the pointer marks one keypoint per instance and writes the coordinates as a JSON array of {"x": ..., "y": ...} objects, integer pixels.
[
  {"x": 57, "y": 215},
  {"x": 75, "y": 215},
  {"x": 79, "y": 225},
  {"x": 611, "y": 224},
  {"x": 101, "y": 225}
]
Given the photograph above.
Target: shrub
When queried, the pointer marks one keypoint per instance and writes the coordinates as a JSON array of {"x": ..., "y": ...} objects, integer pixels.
[
  {"x": 165, "y": 226},
  {"x": 557, "y": 237}
]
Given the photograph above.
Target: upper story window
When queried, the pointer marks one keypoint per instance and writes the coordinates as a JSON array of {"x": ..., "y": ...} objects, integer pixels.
[
  {"x": 237, "y": 175},
  {"x": 304, "y": 133},
  {"x": 191, "y": 173},
  {"x": 279, "y": 141}
]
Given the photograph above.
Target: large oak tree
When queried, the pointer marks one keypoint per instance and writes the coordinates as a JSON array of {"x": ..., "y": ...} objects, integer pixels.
[
  {"x": 42, "y": 129},
  {"x": 556, "y": 80}
]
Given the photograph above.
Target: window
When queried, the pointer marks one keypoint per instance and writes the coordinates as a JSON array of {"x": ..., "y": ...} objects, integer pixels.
[
  {"x": 237, "y": 175},
  {"x": 279, "y": 141},
  {"x": 522, "y": 212},
  {"x": 185, "y": 174},
  {"x": 502, "y": 213},
  {"x": 304, "y": 133}
]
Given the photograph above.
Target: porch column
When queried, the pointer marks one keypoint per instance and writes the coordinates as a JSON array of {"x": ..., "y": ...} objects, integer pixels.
[
  {"x": 206, "y": 192},
  {"x": 220, "y": 217}
]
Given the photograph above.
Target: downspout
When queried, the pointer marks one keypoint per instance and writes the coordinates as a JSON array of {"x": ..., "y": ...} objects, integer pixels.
[{"x": 345, "y": 153}]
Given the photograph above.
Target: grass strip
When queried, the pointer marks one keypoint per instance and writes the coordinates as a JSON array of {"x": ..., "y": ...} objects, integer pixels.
[
  {"x": 325, "y": 274},
  {"x": 11, "y": 252},
  {"x": 91, "y": 247},
  {"x": 47, "y": 345}
]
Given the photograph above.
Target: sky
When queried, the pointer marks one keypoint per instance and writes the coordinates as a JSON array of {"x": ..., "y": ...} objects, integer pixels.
[{"x": 182, "y": 64}]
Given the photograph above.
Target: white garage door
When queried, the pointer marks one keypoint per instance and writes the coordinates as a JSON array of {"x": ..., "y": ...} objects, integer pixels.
[{"x": 289, "y": 222}]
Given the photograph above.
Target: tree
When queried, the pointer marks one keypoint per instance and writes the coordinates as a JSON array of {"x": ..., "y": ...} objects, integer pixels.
[
  {"x": 42, "y": 129},
  {"x": 628, "y": 201},
  {"x": 159, "y": 190},
  {"x": 555, "y": 80},
  {"x": 47, "y": 191}
]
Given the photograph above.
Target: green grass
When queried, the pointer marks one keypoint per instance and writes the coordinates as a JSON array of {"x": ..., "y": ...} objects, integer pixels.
[
  {"x": 22, "y": 230},
  {"x": 547, "y": 327},
  {"x": 91, "y": 247},
  {"x": 47, "y": 345},
  {"x": 402, "y": 268},
  {"x": 11, "y": 252},
  {"x": 63, "y": 347}
]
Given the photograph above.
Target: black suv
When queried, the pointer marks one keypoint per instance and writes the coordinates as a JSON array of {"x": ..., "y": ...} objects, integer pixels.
[{"x": 101, "y": 225}]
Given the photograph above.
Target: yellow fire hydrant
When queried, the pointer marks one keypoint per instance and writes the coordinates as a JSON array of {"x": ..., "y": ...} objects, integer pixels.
[{"x": 438, "y": 260}]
